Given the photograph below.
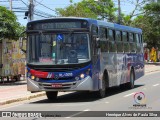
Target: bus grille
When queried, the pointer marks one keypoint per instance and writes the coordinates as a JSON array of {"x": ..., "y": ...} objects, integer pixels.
[{"x": 63, "y": 85}]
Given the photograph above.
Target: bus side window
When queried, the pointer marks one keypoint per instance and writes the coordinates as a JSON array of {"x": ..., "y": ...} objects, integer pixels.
[
  {"x": 132, "y": 42},
  {"x": 112, "y": 45},
  {"x": 103, "y": 39},
  {"x": 141, "y": 42},
  {"x": 111, "y": 35},
  {"x": 119, "y": 43},
  {"x": 125, "y": 41},
  {"x": 138, "y": 43}
]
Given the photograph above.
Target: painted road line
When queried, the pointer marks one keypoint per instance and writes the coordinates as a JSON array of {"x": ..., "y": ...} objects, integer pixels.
[
  {"x": 107, "y": 102},
  {"x": 155, "y": 85},
  {"x": 77, "y": 113},
  {"x": 128, "y": 95}
]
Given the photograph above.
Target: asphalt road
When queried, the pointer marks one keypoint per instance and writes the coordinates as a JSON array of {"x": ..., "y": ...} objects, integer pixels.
[{"x": 116, "y": 99}]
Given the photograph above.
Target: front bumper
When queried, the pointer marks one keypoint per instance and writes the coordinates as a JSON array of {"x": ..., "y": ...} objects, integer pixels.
[{"x": 85, "y": 84}]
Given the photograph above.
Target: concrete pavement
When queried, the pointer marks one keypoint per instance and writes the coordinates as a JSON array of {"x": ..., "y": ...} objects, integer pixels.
[{"x": 17, "y": 91}]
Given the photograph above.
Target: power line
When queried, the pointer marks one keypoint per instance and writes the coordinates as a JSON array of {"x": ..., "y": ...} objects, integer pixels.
[
  {"x": 24, "y": 2},
  {"x": 40, "y": 12},
  {"x": 44, "y": 6},
  {"x": 40, "y": 15}
]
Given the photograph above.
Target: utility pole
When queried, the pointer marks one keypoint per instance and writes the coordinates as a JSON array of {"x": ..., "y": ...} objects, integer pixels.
[
  {"x": 31, "y": 10},
  {"x": 119, "y": 12},
  {"x": 10, "y": 2}
]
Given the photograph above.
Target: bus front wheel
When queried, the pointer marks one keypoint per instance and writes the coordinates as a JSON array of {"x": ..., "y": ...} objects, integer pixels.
[
  {"x": 102, "y": 92},
  {"x": 130, "y": 85},
  {"x": 51, "y": 95}
]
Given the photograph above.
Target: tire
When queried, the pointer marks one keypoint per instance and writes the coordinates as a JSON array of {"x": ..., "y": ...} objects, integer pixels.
[
  {"x": 102, "y": 92},
  {"x": 51, "y": 95},
  {"x": 130, "y": 85}
]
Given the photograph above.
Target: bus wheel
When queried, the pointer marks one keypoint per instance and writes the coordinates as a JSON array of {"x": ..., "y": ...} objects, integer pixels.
[
  {"x": 51, "y": 95},
  {"x": 102, "y": 92},
  {"x": 130, "y": 85}
]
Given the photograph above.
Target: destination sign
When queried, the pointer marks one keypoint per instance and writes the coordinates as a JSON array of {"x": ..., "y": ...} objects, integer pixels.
[{"x": 58, "y": 25}]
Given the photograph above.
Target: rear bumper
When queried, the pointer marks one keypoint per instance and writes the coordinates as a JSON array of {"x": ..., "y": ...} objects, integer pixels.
[{"x": 81, "y": 85}]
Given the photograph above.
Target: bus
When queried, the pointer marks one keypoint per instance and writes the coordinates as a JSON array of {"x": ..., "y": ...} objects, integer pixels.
[{"x": 82, "y": 54}]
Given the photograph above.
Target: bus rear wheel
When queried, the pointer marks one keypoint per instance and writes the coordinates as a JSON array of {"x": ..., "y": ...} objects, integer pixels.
[{"x": 51, "y": 95}]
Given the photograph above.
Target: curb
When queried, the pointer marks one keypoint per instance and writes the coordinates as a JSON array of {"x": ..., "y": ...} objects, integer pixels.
[
  {"x": 22, "y": 98},
  {"x": 152, "y": 71},
  {"x": 150, "y": 63}
]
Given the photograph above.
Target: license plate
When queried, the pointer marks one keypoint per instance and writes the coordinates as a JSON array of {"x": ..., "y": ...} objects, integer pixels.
[{"x": 56, "y": 85}]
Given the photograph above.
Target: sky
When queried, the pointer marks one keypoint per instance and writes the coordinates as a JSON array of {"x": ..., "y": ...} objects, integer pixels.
[{"x": 126, "y": 7}]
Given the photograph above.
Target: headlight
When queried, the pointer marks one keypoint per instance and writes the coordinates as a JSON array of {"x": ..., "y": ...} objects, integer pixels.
[
  {"x": 32, "y": 77},
  {"x": 82, "y": 76}
]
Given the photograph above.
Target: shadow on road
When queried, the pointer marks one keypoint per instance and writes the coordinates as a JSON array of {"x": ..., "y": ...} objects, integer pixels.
[{"x": 83, "y": 96}]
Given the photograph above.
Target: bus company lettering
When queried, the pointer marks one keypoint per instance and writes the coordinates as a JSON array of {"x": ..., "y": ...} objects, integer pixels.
[{"x": 65, "y": 74}]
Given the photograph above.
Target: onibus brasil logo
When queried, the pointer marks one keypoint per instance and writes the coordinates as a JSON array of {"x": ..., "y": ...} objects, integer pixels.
[{"x": 139, "y": 99}]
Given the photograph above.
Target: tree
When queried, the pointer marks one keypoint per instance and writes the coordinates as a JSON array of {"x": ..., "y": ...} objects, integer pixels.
[
  {"x": 149, "y": 23},
  {"x": 90, "y": 9},
  {"x": 152, "y": 13},
  {"x": 9, "y": 27},
  {"x": 138, "y": 10}
]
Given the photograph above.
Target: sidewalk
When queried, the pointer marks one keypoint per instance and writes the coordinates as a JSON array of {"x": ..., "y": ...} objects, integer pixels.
[
  {"x": 14, "y": 92},
  {"x": 17, "y": 91},
  {"x": 152, "y": 67}
]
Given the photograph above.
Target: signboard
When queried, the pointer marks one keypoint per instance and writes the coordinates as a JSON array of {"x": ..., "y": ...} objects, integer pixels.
[{"x": 57, "y": 25}]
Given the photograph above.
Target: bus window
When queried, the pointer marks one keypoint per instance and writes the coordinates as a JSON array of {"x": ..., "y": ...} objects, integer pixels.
[
  {"x": 132, "y": 47},
  {"x": 138, "y": 44},
  {"x": 131, "y": 37},
  {"x": 124, "y": 36},
  {"x": 126, "y": 47},
  {"x": 104, "y": 46},
  {"x": 141, "y": 43},
  {"x": 125, "y": 42},
  {"x": 111, "y": 35},
  {"x": 103, "y": 33},
  {"x": 112, "y": 46},
  {"x": 120, "y": 47},
  {"x": 103, "y": 39},
  {"x": 132, "y": 42},
  {"x": 119, "y": 43},
  {"x": 118, "y": 36}
]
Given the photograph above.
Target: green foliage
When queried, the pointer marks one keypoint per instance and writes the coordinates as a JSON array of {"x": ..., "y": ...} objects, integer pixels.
[
  {"x": 9, "y": 27},
  {"x": 150, "y": 24},
  {"x": 90, "y": 9}
]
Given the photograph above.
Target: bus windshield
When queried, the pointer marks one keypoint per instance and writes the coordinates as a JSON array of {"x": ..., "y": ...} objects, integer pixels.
[{"x": 52, "y": 49}]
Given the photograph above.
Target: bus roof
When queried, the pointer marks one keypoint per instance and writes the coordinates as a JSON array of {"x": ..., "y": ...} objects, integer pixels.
[
  {"x": 119, "y": 27},
  {"x": 99, "y": 23}
]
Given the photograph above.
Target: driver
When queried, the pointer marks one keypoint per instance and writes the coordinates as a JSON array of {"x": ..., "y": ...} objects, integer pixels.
[{"x": 82, "y": 48}]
